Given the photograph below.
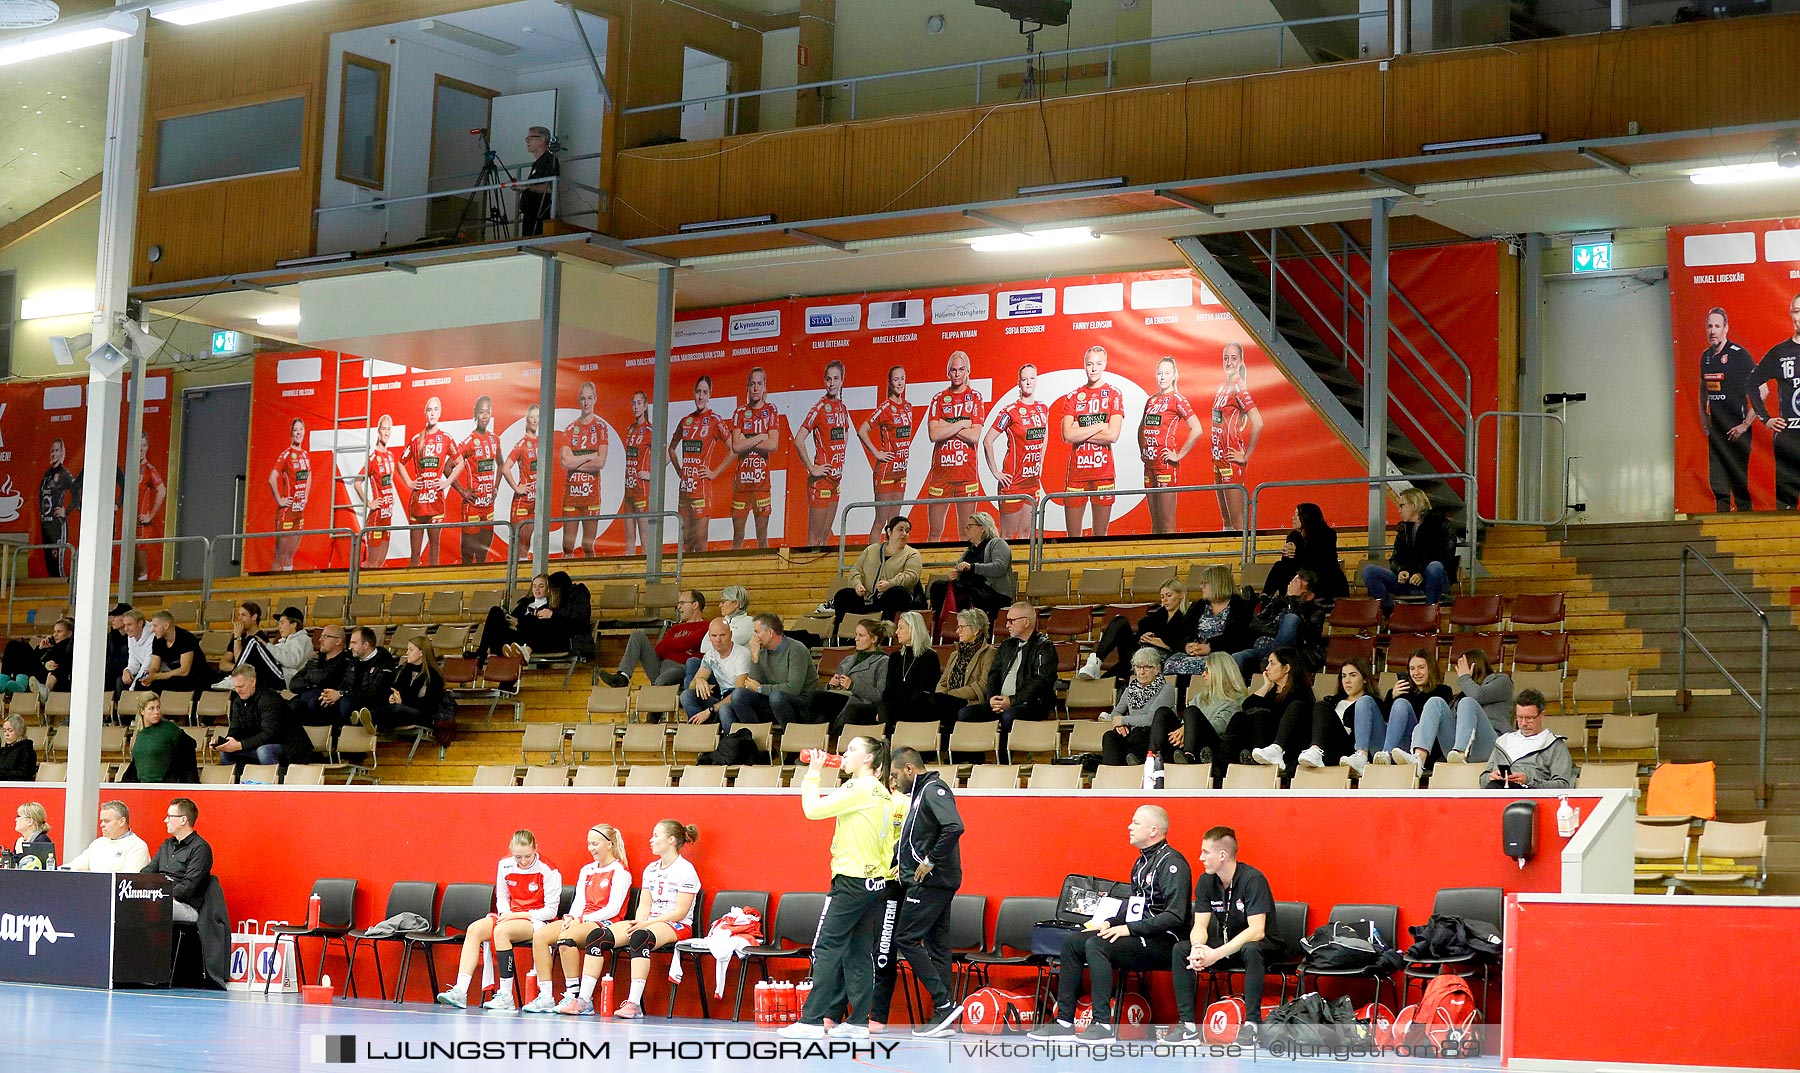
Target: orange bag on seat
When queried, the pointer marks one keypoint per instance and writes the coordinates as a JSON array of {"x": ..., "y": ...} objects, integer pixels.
[{"x": 1682, "y": 790}]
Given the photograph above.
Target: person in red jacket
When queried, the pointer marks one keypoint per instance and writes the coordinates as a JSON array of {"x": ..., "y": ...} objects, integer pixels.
[{"x": 664, "y": 658}]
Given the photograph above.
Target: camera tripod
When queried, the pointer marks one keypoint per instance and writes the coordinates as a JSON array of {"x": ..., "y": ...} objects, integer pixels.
[{"x": 486, "y": 208}]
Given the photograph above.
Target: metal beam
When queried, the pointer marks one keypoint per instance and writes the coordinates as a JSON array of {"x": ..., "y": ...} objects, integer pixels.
[
  {"x": 402, "y": 266},
  {"x": 1183, "y": 200},
  {"x": 1596, "y": 157},
  {"x": 606, "y": 97},
  {"x": 1380, "y": 178},
  {"x": 607, "y": 242},
  {"x": 550, "y": 319},
  {"x": 1375, "y": 375},
  {"x": 994, "y": 221},
  {"x": 129, "y": 507},
  {"x": 1529, "y": 497},
  {"x": 659, "y": 418},
  {"x": 817, "y": 240}
]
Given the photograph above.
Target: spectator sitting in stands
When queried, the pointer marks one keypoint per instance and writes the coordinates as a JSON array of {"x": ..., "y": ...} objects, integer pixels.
[
  {"x": 1467, "y": 736},
  {"x": 416, "y": 695},
  {"x": 1218, "y": 622},
  {"x": 664, "y": 659},
  {"x": 1296, "y": 620},
  {"x": 161, "y": 751},
  {"x": 522, "y": 626},
  {"x": 176, "y": 661},
  {"x": 1285, "y": 695},
  {"x": 983, "y": 577},
  {"x": 855, "y": 689},
  {"x": 1166, "y": 627},
  {"x": 25, "y": 664},
  {"x": 573, "y": 607},
  {"x": 18, "y": 756},
  {"x": 912, "y": 672},
  {"x": 1148, "y": 692},
  {"x": 1311, "y": 545},
  {"x": 1415, "y": 689},
  {"x": 117, "y": 849},
  {"x": 277, "y": 662},
  {"x": 1424, "y": 557},
  {"x": 1358, "y": 707},
  {"x": 781, "y": 681},
  {"x": 246, "y": 631},
  {"x": 1022, "y": 679},
  {"x": 317, "y": 688},
  {"x": 1530, "y": 757},
  {"x": 139, "y": 637},
  {"x": 260, "y": 731},
  {"x": 369, "y": 679},
  {"x": 555, "y": 617},
  {"x": 885, "y": 579},
  {"x": 117, "y": 647},
  {"x": 964, "y": 679},
  {"x": 1336, "y": 724},
  {"x": 57, "y": 658},
  {"x": 709, "y": 694},
  {"x": 734, "y": 608},
  {"x": 1203, "y": 726}
]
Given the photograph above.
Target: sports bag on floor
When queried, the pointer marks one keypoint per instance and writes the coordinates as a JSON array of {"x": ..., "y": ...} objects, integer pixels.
[{"x": 992, "y": 1012}]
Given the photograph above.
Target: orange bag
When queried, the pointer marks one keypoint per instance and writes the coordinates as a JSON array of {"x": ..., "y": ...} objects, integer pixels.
[{"x": 1682, "y": 790}]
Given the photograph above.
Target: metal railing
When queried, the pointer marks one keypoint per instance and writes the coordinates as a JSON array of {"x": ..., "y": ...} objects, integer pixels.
[
  {"x": 516, "y": 554},
  {"x": 235, "y": 541},
  {"x": 1761, "y": 701},
  {"x": 1037, "y": 522},
  {"x": 1470, "y": 490},
  {"x": 9, "y": 564},
  {"x": 844, "y": 513},
  {"x": 1564, "y": 510}
]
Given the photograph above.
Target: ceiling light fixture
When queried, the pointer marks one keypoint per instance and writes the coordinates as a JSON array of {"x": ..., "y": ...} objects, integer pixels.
[
  {"x": 55, "y": 41},
  {"x": 199, "y": 11},
  {"x": 68, "y": 303},
  {"x": 1729, "y": 174},
  {"x": 1034, "y": 240},
  {"x": 281, "y": 318},
  {"x": 493, "y": 46}
]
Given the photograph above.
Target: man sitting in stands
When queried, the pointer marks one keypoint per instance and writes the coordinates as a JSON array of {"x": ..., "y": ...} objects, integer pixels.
[
  {"x": 318, "y": 686},
  {"x": 1022, "y": 679},
  {"x": 139, "y": 637},
  {"x": 260, "y": 731},
  {"x": 664, "y": 658},
  {"x": 1529, "y": 757},
  {"x": 781, "y": 681},
  {"x": 1294, "y": 620},
  {"x": 117, "y": 849},
  {"x": 370, "y": 676},
  {"x": 175, "y": 658},
  {"x": 714, "y": 683}
]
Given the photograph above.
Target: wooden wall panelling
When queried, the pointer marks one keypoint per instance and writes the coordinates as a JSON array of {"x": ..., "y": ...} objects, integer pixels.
[
  {"x": 912, "y": 162},
  {"x": 266, "y": 220},
  {"x": 653, "y": 72},
  {"x": 1015, "y": 152},
  {"x": 1747, "y": 66},
  {"x": 1214, "y": 122},
  {"x": 666, "y": 186},
  {"x": 1323, "y": 115},
  {"x": 1597, "y": 85},
  {"x": 1147, "y": 134},
  {"x": 798, "y": 176},
  {"x": 188, "y": 223},
  {"x": 1476, "y": 93}
]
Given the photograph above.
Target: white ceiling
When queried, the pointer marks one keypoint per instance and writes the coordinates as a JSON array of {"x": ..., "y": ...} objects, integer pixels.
[
  {"x": 52, "y": 127},
  {"x": 539, "y": 29}
]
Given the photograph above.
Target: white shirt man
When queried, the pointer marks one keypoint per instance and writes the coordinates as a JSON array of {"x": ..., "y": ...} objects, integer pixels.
[
  {"x": 138, "y": 639},
  {"x": 117, "y": 849}
]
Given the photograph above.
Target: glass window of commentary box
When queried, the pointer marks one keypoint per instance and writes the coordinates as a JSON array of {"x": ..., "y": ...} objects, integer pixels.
[
  {"x": 254, "y": 139},
  {"x": 362, "y": 122}
]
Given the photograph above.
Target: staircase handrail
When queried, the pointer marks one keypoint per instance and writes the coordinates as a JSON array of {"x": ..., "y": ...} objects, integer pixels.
[{"x": 1759, "y": 702}]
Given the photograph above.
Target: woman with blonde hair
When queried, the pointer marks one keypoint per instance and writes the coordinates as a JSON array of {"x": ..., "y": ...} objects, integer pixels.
[
  {"x": 983, "y": 577},
  {"x": 1200, "y": 730},
  {"x": 667, "y": 910},
  {"x": 601, "y": 891},
  {"x": 858, "y": 683},
  {"x": 912, "y": 671},
  {"x": 1424, "y": 555},
  {"x": 527, "y": 889},
  {"x": 1219, "y": 621},
  {"x": 33, "y": 825},
  {"x": 1165, "y": 627}
]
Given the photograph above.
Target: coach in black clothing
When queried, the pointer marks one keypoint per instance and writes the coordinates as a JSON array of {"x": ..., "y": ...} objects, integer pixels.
[
  {"x": 929, "y": 859},
  {"x": 1141, "y": 935},
  {"x": 1233, "y": 931},
  {"x": 185, "y": 858},
  {"x": 1022, "y": 681}
]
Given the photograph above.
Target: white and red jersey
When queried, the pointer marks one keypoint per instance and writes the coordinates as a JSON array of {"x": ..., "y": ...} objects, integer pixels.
[
  {"x": 829, "y": 423},
  {"x": 954, "y": 459},
  {"x": 524, "y": 456},
  {"x": 891, "y": 427},
  {"x": 697, "y": 436},
  {"x": 584, "y": 437},
  {"x": 753, "y": 465},
  {"x": 481, "y": 467},
  {"x": 600, "y": 892},
  {"x": 1165, "y": 415},
  {"x": 1231, "y": 412},
  {"x": 380, "y": 471},
  {"x": 535, "y": 890},
  {"x": 293, "y": 469},
  {"x": 1027, "y": 428},
  {"x": 430, "y": 455},
  {"x": 662, "y": 886},
  {"x": 1091, "y": 406},
  {"x": 637, "y": 454},
  {"x": 149, "y": 483}
]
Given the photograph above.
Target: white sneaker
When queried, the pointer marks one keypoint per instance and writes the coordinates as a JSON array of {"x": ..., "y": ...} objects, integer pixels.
[
  {"x": 1402, "y": 755},
  {"x": 801, "y": 1030},
  {"x": 525, "y": 653},
  {"x": 544, "y": 1003},
  {"x": 502, "y": 1000},
  {"x": 223, "y": 683},
  {"x": 450, "y": 996},
  {"x": 1313, "y": 757},
  {"x": 1357, "y": 761},
  {"x": 1091, "y": 669},
  {"x": 1381, "y": 758},
  {"x": 1270, "y": 755},
  {"x": 1410, "y": 757},
  {"x": 848, "y": 1031},
  {"x": 1456, "y": 756}
]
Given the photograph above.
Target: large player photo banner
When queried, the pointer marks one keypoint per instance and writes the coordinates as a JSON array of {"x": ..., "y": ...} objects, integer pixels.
[{"x": 1734, "y": 296}]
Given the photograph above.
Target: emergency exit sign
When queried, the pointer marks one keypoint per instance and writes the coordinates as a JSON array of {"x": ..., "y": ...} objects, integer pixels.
[
  {"x": 228, "y": 344},
  {"x": 1592, "y": 256}
]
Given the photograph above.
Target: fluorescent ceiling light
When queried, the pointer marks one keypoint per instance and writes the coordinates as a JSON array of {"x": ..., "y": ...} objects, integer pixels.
[
  {"x": 1481, "y": 143},
  {"x": 57, "y": 304},
  {"x": 189, "y": 14},
  {"x": 280, "y": 318},
  {"x": 1034, "y": 240},
  {"x": 1080, "y": 184},
  {"x": 1758, "y": 172},
  {"x": 114, "y": 27},
  {"x": 468, "y": 38}
]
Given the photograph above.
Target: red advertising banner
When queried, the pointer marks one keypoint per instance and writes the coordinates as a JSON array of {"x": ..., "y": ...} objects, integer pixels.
[
  {"x": 1735, "y": 304},
  {"x": 782, "y": 413},
  {"x": 43, "y": 432}
]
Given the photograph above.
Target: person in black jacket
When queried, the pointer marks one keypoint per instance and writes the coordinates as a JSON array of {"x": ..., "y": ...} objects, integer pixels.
[
  {"x": 1294, "y": 620},
  {"x": 929, "y": 859},
  {"x": 18, "y": 756},
  {"x": 260, "y": 730},
  {"x": 1141, "y": 935},
  {"x": 1166, "y": 627},
  {"x": 912, "y": 672},
  {"x": 1424, "y": 558},
  {"x": 319, "y": 685},
  {"x": 1285, "y": 695},
  {"x": 1311, "y": 545},
  {"x": 417, "y": 692},
  {"x": 1022, "y": 681},
  {"x": 370, "y": 677}
]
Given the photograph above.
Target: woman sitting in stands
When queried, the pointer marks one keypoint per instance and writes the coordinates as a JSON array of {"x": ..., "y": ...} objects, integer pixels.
[
  {"x": 527, "y": 889},
  {"x": 1200, "y": 733},
  {"x": 665, "y": 915},
  {"x": 1147, "y": 693},
  {"x": 964, "y": 681},
  {"x": 1218, "y": 622},
  {"x": 601, "y": 891},
  {"x": 1166, "y": 627},
  {"x": 526, "y": 627},
  {"x": 1418, "y": 687},
  {"x": 1311, "y": 545},
  {"x": 1285, "y": 695},
  {"x": 33, "y": 825},
  {"x": 912, "y": 672},
  {"x": 858, "y": 683},
  {"x": 1465, "y": 735},
  {"x": 417, "y": 693},
  {"x": 885, "y": 580},
  {"x": 1424, "y": 556},
  {"x": 983, "y": 577},
  {"x": 1339, "y": 724},
  {"x": 18, "y": 756}
]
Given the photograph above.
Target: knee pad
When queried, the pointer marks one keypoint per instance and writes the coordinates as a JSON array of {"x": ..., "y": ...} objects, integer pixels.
[
  {"x": 600, "y": 943},
  {"x": 641, "y": 942}
]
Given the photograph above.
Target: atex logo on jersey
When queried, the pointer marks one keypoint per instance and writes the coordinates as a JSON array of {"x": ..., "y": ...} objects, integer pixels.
[
  {"x": 30, "y": 929},
  {"x": 702, "y": 332},
  {"x": 909, "y": 313},
  {"x": 1034, "y": 303},
  {"x": 764, "y": 325},
  {"x": 833, "y": 319},
  {"x": 959, "y": 309}
]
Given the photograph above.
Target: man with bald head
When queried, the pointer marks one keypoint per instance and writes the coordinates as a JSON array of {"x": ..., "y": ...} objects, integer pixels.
[{"x": 1140, "y": 934}]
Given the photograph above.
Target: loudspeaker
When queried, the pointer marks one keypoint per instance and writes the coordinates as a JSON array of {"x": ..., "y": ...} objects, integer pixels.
[
  {"x": 1042, "y": 12},
  {"x": 1518, "y": 830}
]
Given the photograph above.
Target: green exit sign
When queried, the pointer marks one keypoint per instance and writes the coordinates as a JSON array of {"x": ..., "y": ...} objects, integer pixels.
[
  {"x": 227, "y": 344},
  {"x": 1592, "y": 257}
]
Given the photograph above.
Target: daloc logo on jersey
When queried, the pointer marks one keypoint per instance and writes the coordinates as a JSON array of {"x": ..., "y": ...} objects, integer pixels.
[
  {"x": 764, "y": 325},
  {"x": 1040, "y": 302},
  {"x": 845, "y": 318}
]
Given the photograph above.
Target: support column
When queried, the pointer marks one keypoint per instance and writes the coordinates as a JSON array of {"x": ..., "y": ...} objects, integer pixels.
[
  {"x": 1530, "y": 503},
  {"x": 550, "y": 317},
  {"x": 134, "y": 464},
  {"x": 1400, "y": 21},
  {"x": 93, "y": 570},
  {"x": 1375, "y": 413},
  {"x": 659, "y": 419}
]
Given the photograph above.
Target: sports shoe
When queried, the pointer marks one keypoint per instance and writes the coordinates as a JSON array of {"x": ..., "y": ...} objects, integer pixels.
[
  {"x": 1405, "y": 756},
  {"x": 1181, "y": 1033},
  {"x": 1247, "y": 1035},
  {"x": 1381, "y": 757},
  {"x": 876, "y": 1028},
  {"x": 1357, "y": 761},
  {"x": 223, "y": 683},
  {"x": 1091, "y": 669},
  {"x": 848, "y": 1031},
  {"x": 616, "y": 679},
  {"x": 1098, "y": 1032},
  {"x": 544, "y": 1003},
  {"x": 1456, "y": 756},
  {"x": 365, "y": 719},
  {"x": 524, "y": 652},
  {"x": 510, "y": 649},
  {"x": 1052, "y": 1032},
  {"x": 503, "y": 1000},
  {"x": 942, "y": 1023},
  {"x": 628, "y": 1011},
  {"x": 450, "y": 996},
  {"x": 1400, "y": 755},
  {"x": 1313, "y": 757},
  {"x": 801, "y": 1030},
  {"x": 1270, "y": 755},
  {"x": 575, "y": 1006}
]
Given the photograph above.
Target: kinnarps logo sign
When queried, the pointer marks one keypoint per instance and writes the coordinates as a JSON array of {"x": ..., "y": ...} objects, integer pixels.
[
  {"x": 820, "y": 319},
  {"x": 1040, "y": 302},
  {"x": 763, "y": 325}
]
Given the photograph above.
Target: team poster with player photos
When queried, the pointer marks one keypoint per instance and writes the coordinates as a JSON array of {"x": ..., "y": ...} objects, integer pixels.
[
  {"x": 1734, "y": 295},
  {"x": 782, "y": 413}
]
